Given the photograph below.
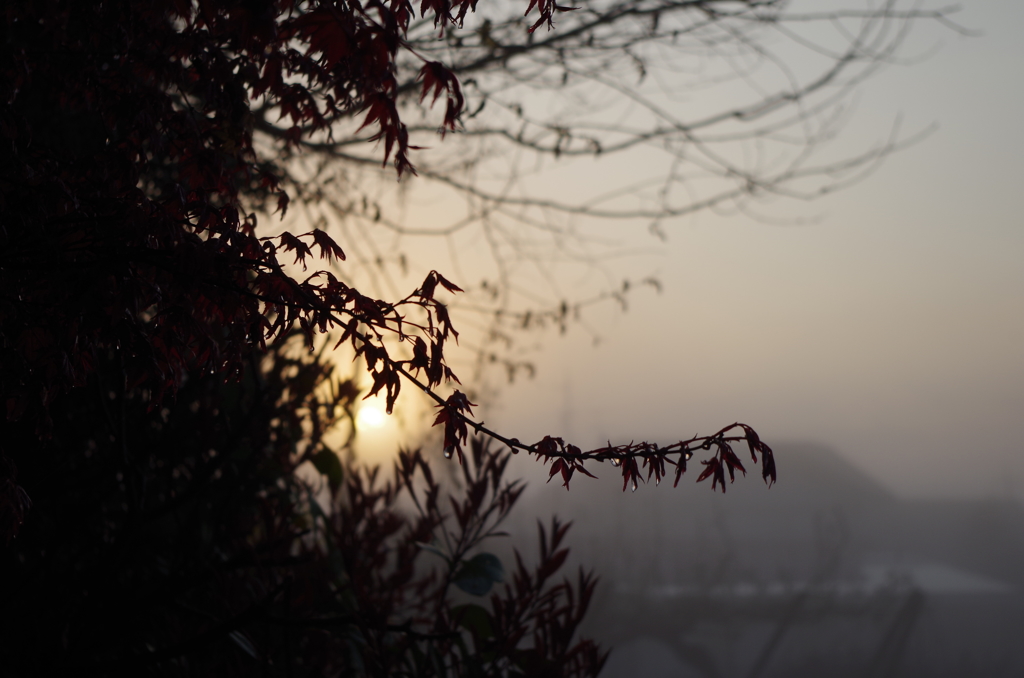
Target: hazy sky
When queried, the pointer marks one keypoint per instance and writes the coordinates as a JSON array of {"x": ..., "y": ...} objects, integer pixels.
[{"x": 891, "y": 328}]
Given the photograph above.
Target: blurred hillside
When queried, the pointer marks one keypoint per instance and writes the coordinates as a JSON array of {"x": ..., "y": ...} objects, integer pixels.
[{"x": 824, "y": 574}]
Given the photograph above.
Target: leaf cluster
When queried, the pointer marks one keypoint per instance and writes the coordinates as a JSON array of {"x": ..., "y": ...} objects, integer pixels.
[
  {"x": 197, "y": 539},
  {"x": 566, "y": 458},
  {"x": 132, "y": 186},
  {"x": 130, "y": 181}
]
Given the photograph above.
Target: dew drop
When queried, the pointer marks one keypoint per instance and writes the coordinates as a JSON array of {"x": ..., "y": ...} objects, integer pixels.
[
  {"x": 616, "y": 462},
  {"x": 634, "y": 484},
  {"x": 447, "y": 453}
]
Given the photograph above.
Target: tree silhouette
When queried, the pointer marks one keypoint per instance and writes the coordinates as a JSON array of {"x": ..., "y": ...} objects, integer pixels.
[
  {"x": 711, "y": 105},
  {"x": 156, "y": 408},
  {"x": 145, "y": 141},
  {"x": 184, "y": 540}
]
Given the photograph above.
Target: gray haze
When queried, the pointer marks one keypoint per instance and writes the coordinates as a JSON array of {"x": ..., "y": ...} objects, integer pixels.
[
  {"x": 891, "y": 328},
  {"x": 888, "y": 336},
  {"x": 827, "y": 575},
  {"x": 876, "y": 339}
]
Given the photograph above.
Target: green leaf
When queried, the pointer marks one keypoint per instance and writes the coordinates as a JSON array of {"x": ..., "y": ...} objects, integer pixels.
[
  {"x": 327, "y": 463},
  {"x": 475, "y": 619},
  {"x": 243, "y": 642},
  {"x": 433, "y": 549},
  {"x": 479, "y": 573}
]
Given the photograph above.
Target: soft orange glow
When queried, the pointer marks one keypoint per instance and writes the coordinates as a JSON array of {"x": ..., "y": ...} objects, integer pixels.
[{"x": 371, "y": 416}]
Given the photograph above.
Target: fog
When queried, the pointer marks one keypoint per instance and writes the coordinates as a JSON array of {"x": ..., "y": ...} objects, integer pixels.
[
  {"x": 873, "y": 337},
  {"x": 885, "y": 321},
  {"x": 826, "y": 574},
  {"x": 876, "y": 339}
]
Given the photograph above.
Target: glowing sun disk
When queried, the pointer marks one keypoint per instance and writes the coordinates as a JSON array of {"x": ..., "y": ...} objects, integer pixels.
[{"x": 371, "y": 416}]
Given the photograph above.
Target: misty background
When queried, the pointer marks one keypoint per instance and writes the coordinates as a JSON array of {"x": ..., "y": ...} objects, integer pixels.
[
  {"x": 875, "y": 338},
  {"x": 886, "y": 320}
]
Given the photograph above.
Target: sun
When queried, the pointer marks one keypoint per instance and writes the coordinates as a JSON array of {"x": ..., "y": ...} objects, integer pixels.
[{"x": 371, "y": 415}]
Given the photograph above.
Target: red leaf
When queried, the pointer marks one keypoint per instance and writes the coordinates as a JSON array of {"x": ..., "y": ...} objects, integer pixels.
[
  {"x": 289, "y": 242},
  {"x": 767, "y": 464},
  {"x": 709, "y": 469},
  {"x": 448, "y": 285},
  {"x": 579, "y": 467},
  {"x": 681, "y": 467},
  {"x": 732, "y": 462},
  {"x": 426, "y": 290},
  {"x": 437, "y": 78},
  {"x": 549, "y": 446},
  {"x": 630, "y": 472},
  {"x": 282, "y": 203},
  {"x": 328, "y": 248}
]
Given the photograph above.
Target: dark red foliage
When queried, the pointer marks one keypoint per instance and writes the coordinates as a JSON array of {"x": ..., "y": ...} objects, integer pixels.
[
  {"x": 131, "y": 191},
  {"x": 130, "y": 185},
  {"x": 182, "y": 541},
  {"x": 152, "y": 405},
  {"x": 440, "y": 80},
  {"x": 403, "y": 568}
]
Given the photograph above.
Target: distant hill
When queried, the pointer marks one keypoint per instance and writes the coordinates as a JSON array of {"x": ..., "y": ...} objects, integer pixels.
[{"x": 828, "y": 555}]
